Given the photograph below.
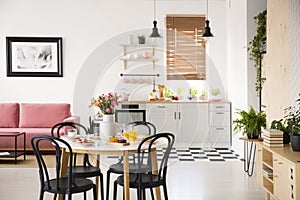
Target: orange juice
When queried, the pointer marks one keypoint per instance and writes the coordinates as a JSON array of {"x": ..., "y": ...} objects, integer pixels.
[
  {"x": 132, "y": 135},
  {"x": 126, "y": 134}
]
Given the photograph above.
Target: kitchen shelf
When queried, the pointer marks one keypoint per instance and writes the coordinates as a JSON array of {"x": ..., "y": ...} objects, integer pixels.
[
  {"x": 139, "y": 48},
  {"x": 139, "y": 59}
]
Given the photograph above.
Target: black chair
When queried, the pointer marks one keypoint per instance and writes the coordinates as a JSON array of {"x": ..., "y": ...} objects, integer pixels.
[
  {"x": 142, "y": 180},
  {"x": 86, "y": 170},
  {"x": 58, "y": 185},
  {"x": 146, "y": 128}
]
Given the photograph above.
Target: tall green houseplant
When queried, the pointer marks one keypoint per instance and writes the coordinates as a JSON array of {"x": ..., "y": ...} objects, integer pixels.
[{"x": 256, "y": 44}]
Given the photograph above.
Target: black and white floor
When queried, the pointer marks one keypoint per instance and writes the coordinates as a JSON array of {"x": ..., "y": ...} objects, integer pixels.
[{"x": 200, "y": 154}]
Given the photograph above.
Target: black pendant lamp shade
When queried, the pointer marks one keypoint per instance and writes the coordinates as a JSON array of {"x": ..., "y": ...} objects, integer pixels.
[
  {"x": 154, "y": 33},
  {"x": 154, "y": 30},
  {"x": 207, "y": 32}
]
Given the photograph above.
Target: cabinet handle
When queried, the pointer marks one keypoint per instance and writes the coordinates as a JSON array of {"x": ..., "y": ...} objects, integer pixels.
[
  {"x": 259, "y": 150},
  {"x": 161, "y": 106},
  {"x": 179, "y": 115},
  {"x": 220, "y": 129},
  {"x": 219, "y": 106},
  {"x": 275, "y": 160},
  {"x": 174, "y": 115},
  {"x": 280, "y": 163},
  {"x": 275, "y": 176},
  {"x": 220, "y": 113}
]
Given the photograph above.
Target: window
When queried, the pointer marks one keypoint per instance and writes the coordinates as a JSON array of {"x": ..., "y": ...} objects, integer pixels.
[{"x": 186, "y": 58}]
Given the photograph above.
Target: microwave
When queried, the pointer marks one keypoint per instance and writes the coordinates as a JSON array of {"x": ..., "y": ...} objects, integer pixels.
[{"x": 126, "y": 113}]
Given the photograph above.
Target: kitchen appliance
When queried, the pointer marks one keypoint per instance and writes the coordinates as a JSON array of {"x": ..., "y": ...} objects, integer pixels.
[{"x": 130, "y": 112}]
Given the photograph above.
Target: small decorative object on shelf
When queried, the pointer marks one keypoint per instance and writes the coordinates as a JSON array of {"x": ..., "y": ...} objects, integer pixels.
[{"x": 142, "y": 39}]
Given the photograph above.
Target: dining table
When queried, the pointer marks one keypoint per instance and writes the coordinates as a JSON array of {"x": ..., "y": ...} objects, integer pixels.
[{"x": 97, "y": 147}]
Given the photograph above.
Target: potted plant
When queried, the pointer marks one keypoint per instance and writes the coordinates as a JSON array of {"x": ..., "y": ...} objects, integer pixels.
[
  {"x": 193, "y": 93},
  {"x": 280, "y": 125},
  {"x": 293, "y": 124},
  {"x": 257, "y": 44},
  {"x": 250, "y": 123},
  {"x": 142, "y": 39}
]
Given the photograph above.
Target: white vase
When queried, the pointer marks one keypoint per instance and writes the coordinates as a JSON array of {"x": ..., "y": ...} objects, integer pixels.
[
  {"x": 107, "y": 127},
  {"x": 108, "y": 118}
]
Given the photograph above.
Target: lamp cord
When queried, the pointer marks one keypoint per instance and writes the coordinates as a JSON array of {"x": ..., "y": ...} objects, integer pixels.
[
  {"x": 207, "y": 8},
  {"x": 154, "y": 10}
]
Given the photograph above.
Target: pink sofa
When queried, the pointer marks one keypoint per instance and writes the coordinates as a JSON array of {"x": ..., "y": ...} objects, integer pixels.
[{"x": 32, "y": 118}]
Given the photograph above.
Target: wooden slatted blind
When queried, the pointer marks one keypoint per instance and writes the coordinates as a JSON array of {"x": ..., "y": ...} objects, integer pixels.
[{"x": 186, "y": 57}]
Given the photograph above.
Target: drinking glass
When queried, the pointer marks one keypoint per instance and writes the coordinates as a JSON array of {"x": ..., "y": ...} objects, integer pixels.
[{"x": 132, "y": 133}]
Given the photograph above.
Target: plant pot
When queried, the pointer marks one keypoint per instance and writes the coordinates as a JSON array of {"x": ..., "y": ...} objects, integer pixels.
[
  {"x": 295, "y": 142},
  {"x": 251, "y": 135},
  {"x": 142, "y": 40},
  {"x": 286, "y": 138}
]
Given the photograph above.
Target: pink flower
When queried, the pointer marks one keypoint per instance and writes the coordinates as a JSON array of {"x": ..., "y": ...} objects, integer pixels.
[
  {"x": 113, "y": 103},
  {"x": 107, "y": 110}
]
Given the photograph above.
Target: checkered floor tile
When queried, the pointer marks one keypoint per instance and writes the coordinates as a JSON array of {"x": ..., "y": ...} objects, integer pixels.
[{"x": 199, "y": 154}]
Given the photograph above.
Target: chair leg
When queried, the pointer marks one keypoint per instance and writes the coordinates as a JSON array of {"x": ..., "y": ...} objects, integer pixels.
[
  {"x": 101, "y": 187},
  {"x": 107, "y": 184},
  {"x": 152, "y": 193},
  {"x": 41, "y": 195},
  {"x": 84, "y": 195},
  {"x": 139, "y": 193},
  {"x": 63, "y": 196},
  {"x": 144, "y": 194},
  {"x": 115, "y": 190},
  {"x": 55, "y": 195},
  {"x": 94, "y": 192},
  {"x": 165, "y": 191}
]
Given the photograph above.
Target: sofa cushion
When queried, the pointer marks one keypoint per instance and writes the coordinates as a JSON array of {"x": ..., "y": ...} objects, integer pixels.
[
  {"x": 33, "y": 115},
  {"x": 9, "y": 115}
]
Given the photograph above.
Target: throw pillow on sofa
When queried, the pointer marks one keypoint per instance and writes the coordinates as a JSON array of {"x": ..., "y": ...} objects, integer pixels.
[{"x": 9, "y": 115}]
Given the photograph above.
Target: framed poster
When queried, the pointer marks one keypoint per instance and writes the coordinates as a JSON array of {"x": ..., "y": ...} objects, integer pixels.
[{"x": 34, "y": 56}]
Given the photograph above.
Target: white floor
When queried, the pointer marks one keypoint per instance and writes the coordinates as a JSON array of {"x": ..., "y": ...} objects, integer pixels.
[{"x": 200, "y": 180}]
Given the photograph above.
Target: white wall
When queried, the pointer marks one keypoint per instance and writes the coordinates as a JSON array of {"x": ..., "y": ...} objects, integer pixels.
[
  {"x": 241, "y": 73},
  {"x": 84, "y": 26}
]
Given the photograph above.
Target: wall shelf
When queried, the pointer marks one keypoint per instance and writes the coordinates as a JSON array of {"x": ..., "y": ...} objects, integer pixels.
[{"x": 139, "y": 48}]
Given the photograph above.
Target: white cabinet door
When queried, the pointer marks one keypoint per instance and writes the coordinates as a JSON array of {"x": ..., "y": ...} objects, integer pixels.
[
  {"x": 163, "y": 116},
  {"x": 193, "y": 124}
]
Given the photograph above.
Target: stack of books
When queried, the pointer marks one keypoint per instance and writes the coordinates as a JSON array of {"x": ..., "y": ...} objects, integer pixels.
[
  {"x": 267, "y": 172},
  {"x": 273, "y": 138}
]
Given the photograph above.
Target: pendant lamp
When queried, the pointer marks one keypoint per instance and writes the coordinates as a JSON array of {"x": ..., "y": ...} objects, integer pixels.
[
  {"x": 154, "y": 29},
  {"x": 207, "y": 32}
]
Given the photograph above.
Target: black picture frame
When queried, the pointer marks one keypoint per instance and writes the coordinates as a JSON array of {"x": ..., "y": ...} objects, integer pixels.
[{"x": 34, "y": 56}]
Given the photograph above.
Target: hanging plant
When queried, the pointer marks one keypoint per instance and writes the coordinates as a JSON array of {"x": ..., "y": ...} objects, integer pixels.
[{"x": 257, "y": 45}]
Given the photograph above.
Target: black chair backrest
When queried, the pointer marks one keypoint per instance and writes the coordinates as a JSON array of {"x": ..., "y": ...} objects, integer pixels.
[
  {"x": 164, "y": 141},
  {"x": 151, "y": 127},
  {"x": 59, "y": 128},
  {"x": 43, "y": 169}
]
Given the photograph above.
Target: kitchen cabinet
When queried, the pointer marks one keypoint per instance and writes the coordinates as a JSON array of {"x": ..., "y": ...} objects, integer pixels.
[
  {"x": 280, "y": 172},
  {"x": 193, "y": 123},
  {"x": 163, "y": 116},
  {"x": 138, "y": 52},
  {"x": 220, "y": 124}
]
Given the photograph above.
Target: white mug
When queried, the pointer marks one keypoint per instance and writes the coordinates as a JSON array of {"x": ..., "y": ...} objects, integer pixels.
[{"x": 72, "y": 132}]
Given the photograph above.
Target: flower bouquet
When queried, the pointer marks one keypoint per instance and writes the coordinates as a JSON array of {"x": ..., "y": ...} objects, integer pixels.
[{"x": 106, "y": 103}]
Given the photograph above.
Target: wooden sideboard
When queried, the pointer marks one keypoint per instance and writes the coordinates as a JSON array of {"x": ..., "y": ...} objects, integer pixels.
[{"x": 278, "y": 171}]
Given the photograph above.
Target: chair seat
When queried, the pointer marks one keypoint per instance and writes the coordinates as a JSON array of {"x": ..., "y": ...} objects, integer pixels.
[
  {"x": 146, "y": 182},
  {"x": 118, "y": 168},
  {"x": 80, "y": 185},
  {"x": 85, "y": 171}
]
